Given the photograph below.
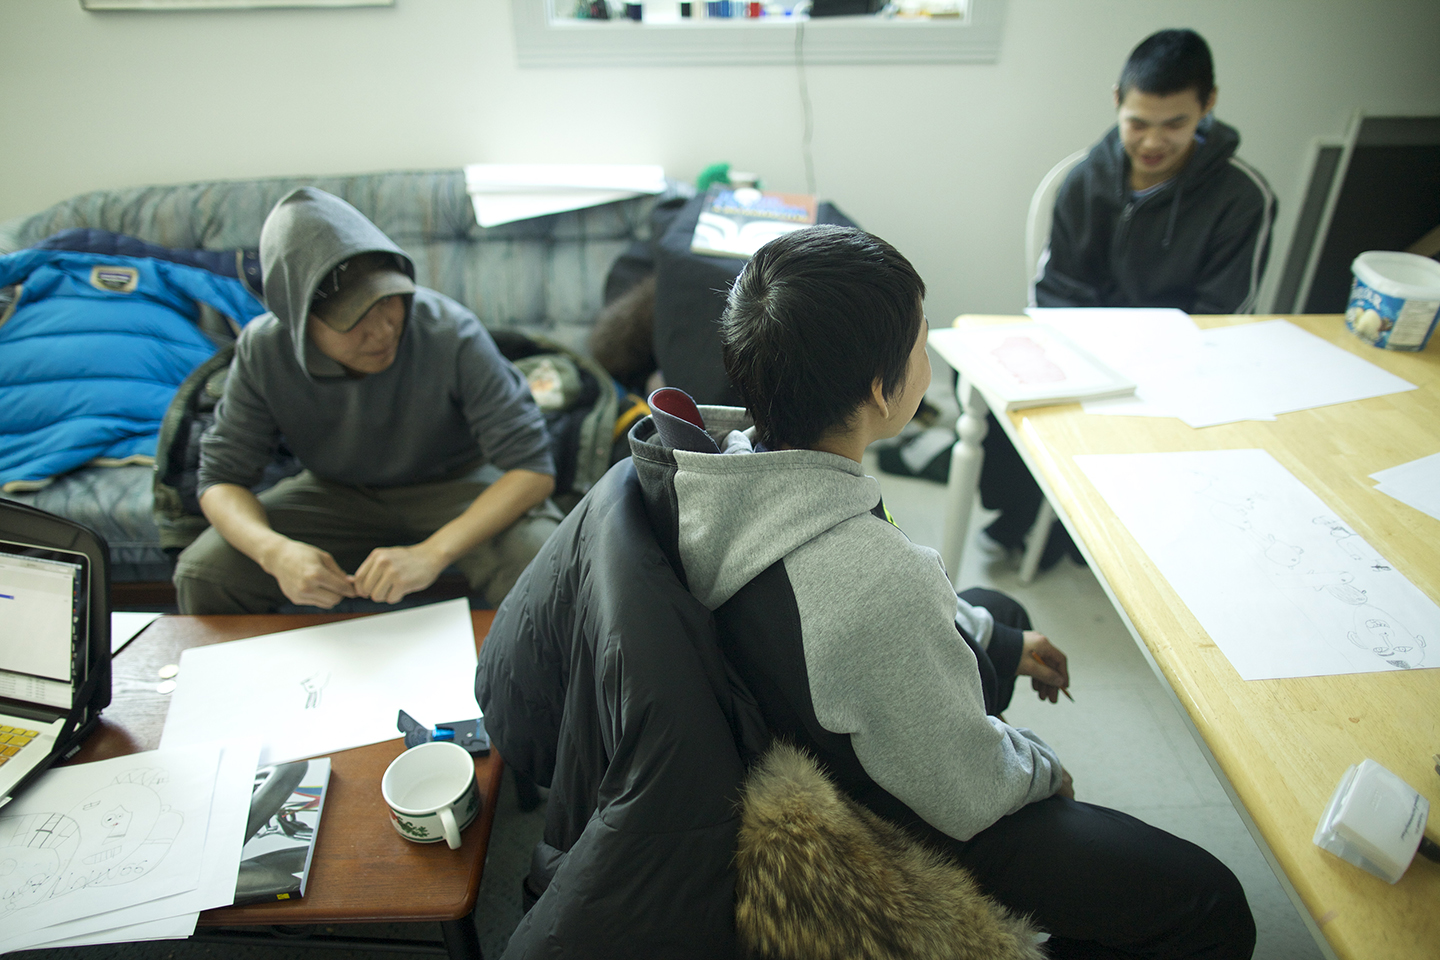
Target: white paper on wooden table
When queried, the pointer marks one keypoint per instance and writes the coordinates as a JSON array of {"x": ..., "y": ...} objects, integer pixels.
[
  {"x": 1278, "y": 581},
  {"x": 1251, "y": 371},
  {"x": 96, "y": 837},
  {"x": 316, "y": 690},
  {"x": 1415, "y": 484},
  {"x": 1145, "y": 345},
  {"x": 126, "y": 626},
  {"x": 1273, "y": 367},
  {"x": 169, "y": 917}
]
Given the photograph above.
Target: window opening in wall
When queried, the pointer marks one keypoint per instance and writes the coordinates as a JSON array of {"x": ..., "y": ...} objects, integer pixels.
[
  {"x": 581, "y": 33},
  {"x": 680, "y": 11}
]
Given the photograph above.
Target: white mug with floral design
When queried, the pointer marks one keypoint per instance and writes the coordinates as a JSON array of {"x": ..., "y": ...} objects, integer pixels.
[{"x": 431, "y": 792}]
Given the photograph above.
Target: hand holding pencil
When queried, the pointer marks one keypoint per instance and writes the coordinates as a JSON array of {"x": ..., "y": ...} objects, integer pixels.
[{"x": 1046, "y": 666}]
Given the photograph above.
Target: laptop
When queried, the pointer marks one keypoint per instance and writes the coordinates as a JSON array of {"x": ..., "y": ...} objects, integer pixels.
[{"x": 54, "y": 641}]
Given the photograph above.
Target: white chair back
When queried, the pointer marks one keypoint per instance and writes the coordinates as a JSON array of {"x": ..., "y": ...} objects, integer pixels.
[{"x": 1042, "y": 205}]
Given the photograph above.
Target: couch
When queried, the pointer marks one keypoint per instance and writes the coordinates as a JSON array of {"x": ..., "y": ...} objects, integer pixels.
[{"x": 541, "y": 276}]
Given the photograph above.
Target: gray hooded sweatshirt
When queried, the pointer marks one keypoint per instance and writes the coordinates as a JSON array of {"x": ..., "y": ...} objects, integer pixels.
[
  {"x": 877, "y": 616},
  {"x": 449, "y": 401}
]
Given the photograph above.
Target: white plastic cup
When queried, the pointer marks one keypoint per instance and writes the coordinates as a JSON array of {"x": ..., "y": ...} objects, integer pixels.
[
  {"x": 1395, "y": 299},
  {"x": 431, "y": 792}
]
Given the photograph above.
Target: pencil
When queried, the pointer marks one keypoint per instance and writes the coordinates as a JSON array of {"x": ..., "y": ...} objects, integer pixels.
[{"x": 1042, "y": 663}]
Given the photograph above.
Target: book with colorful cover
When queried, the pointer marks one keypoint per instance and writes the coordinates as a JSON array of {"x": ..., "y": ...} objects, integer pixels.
[
  {"x": 735, "y": 222},
  {"x": 280, "y": 835}
]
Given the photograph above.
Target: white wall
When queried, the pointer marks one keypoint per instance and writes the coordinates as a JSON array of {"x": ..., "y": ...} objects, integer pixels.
[{"x": 940, "y": 160}]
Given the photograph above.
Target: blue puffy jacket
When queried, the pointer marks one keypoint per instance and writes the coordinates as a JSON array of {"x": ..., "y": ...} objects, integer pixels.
[{"x": 91, "y": 352}]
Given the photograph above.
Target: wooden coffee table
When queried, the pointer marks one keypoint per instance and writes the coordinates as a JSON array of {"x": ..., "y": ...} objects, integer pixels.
[{"x": 363, "y": 871}]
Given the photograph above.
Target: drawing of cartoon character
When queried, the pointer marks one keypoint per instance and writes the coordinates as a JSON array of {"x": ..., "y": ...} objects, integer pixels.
[
  {"x": 1381, "y": 634},
  {"x": 33, "y": 850},
  {"x": 1352, "y": 545},
  {"x": 1280, "y": 552},
  {"x": 314, "y": 685}
]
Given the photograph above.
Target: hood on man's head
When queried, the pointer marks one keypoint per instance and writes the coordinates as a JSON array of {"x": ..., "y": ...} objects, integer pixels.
[
  {"x": 348, "y": 292},
  {"x": 307, "y": 235}
]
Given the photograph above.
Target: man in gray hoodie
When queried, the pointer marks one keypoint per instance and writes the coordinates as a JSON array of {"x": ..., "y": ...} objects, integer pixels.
[{"x": 421, "y": 444}]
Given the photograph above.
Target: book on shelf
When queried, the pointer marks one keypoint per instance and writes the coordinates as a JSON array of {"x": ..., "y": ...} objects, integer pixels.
[
  {"x": 1018, "y": 365},
  {"x": 280, "y": 835},
  {"x": 735, "y": 222}
]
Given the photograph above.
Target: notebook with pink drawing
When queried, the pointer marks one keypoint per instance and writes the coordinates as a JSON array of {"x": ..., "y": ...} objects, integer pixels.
[{"x": 1027, "y": 364}]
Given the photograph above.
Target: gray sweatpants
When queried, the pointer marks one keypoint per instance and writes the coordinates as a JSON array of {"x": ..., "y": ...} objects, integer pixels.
[{"x": 348, "y": 522}]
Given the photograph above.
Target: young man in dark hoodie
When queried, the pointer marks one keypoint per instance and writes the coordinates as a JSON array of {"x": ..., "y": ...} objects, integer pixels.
[
  {"x": 851, "y": 638},
  {"x": 421, "y": 444},
  {"x": 1162, "y": 213}
]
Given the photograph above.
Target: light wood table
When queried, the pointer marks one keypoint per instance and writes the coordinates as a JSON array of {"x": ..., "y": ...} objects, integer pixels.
[
  {"x": 1279, "y": 746},
  {"x": 363, "y": 871}
]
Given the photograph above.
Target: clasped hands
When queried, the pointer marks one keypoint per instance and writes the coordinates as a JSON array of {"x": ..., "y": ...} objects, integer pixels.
[{"x": 310, "y": 576}]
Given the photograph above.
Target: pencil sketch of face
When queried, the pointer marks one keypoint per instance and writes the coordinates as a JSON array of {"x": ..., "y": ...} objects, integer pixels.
[
  {"x": 114, "y": 822},
  {"x": 1377, "y": 631}
]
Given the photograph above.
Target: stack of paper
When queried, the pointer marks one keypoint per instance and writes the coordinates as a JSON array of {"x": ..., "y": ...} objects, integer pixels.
[
  {"x": 505, "y": 192},
  {"x": 1252, "y": 371},
  {"x": 126, "y": 849}
]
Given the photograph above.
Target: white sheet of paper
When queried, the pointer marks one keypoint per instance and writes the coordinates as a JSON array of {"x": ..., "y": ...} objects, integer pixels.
[
  {"x": 171, "y": 928},
  {"x": 220, "y": 865},
  {"x": 1140, "y": 344},
  {"x": 97, "y": 837},
  {"x": 316, "y": 690},
  {"x": 493, "y": 209},
  {"x": 506, "y": 192},
  {"x": 1280, "y": 584},
  {"x": 1415, "y": 484},
  {"x": 1274, "y": 367},
  {"x": 125, "y": 627},
  {"x": 1251, "y": 371}
]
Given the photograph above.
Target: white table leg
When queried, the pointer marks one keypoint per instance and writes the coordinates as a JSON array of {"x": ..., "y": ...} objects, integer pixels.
[{"x": 966, "y": 458}]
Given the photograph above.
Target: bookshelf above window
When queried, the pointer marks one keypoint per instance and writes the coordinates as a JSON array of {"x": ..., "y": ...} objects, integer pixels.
[{"x": 548, "y": 33}]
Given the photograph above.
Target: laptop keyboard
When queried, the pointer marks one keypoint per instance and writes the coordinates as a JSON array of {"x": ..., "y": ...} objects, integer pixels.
[{"x": 13, "y": 740}]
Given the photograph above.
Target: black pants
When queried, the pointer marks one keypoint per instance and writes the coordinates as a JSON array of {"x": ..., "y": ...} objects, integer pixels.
[
  {"x": 1006, "y": 485},
  {"x": 1100, "y": 882},
  {"x": 1105, "y": 884}
]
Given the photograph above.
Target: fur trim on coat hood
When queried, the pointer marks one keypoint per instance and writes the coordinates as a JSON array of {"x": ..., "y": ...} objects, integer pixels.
[{"x": 821, "y": 877}]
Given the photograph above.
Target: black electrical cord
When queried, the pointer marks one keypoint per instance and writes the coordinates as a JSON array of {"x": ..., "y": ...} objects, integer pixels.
[{"x": 1429, "y": 849}]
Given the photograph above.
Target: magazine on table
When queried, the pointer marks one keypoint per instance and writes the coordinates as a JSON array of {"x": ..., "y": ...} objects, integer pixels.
[
  {"x": 735, "y": 222},
  {"x": 280, "y": 835}
]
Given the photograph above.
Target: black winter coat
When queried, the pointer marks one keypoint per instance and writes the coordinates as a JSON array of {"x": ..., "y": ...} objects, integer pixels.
[{"x": 601, "y": 679}]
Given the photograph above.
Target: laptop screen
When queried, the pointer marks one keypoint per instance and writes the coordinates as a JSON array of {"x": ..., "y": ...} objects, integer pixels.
[{"x": 43, "y": 609}]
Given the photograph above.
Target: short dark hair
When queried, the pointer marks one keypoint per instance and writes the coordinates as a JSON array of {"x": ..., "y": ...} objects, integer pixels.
[
  {"x": 814, "y": 319},
  {"x": 1169, "y": 62}
]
